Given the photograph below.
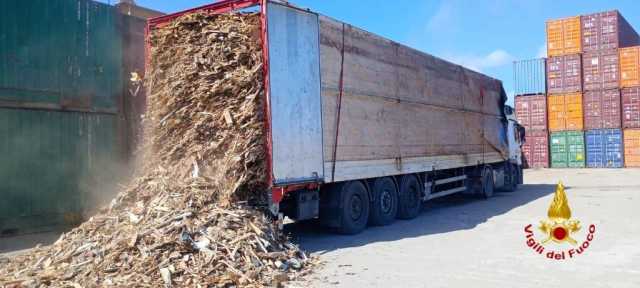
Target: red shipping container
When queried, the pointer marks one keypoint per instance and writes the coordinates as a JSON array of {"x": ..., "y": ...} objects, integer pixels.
[
  {"x": 602, "y": 109},
  {"x": 631, "y": 107},
  {"x": 564, "y": 74},
  {"x": 600, "y": 70},
  {"x": 531, "y": 112},
  {"x": 535, "y": 150},
  {"x": 607, "y": 31}
]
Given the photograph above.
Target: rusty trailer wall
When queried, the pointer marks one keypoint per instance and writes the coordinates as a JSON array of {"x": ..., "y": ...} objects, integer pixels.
[{"x": 402, "y": 110}]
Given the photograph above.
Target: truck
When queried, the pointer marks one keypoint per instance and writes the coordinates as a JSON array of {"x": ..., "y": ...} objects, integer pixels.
[{"x": 362, "y": 130}]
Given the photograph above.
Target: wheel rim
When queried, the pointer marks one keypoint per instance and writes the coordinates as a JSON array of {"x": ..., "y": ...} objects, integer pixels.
[
  {"x": 386, "y": 201},
  {"x": 356, "y": 207}
]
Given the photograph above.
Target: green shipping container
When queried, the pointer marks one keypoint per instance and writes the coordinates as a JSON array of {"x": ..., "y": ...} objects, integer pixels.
[
  {"x": 567, "y": 149},
  {"x": 62, "y": 54},
  {"x": 53, "y": 165},
  {"x": 61, "y": 109}
]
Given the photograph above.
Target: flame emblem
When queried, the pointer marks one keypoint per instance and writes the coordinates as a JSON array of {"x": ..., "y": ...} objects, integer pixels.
[{"x": 559, "y": 226}]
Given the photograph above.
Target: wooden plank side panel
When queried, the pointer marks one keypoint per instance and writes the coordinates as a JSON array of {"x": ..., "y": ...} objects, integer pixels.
[{"x": 399, "y": 103}]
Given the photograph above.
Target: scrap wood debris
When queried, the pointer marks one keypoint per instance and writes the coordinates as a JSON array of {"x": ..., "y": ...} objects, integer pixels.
[{"x": 190, "y": 219}]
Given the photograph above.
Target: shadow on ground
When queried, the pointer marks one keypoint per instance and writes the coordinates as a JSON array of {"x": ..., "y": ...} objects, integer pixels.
[
  {"x": 447, "y": 214},
  {"x": 18, "y": 243}
]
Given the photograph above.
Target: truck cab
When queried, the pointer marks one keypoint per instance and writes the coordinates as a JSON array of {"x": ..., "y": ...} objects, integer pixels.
[
  {"x": 515, "y": 139},
  {"x": 515, "y": 136}
]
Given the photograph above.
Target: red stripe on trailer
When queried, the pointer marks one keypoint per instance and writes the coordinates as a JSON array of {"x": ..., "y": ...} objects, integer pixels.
[{"x": 215, "y": 8}]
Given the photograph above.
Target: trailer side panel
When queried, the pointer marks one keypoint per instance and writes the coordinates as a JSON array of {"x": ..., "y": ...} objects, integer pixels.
[{"x": 402, "y": 111}]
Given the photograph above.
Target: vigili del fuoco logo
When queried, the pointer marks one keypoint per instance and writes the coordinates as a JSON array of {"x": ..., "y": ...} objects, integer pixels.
[{"x": 559, "y": 229}]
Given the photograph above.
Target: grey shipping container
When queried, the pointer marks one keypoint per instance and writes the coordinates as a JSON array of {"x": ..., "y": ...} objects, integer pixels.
[
  {"x": 607, "y": 31},
  {"x": 601, "y": 70},
  {"x": 564, "y": 74},
  {"x": 529, "y": 77}
]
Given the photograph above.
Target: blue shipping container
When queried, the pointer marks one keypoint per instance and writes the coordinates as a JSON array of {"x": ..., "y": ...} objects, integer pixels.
[
  {"x": 604, "y": 148},
  {"x": 529, "y": 77}
]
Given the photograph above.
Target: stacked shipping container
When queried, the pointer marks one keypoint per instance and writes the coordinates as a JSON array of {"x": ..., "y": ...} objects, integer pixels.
[
  {"x": 603, "y": 34},
  {"x": 531, "y": 110},
  {"x": 593, "y": 92},
  {"x": 630, "y": 94},
  {"x": 565, "y": 98}
]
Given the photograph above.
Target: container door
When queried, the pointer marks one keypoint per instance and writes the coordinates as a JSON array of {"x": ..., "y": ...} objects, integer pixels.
[{"x": 296, "y": 107}]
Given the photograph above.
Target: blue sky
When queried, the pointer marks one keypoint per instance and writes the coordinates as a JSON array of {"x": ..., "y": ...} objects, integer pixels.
[{"x": 483, "y": 35}]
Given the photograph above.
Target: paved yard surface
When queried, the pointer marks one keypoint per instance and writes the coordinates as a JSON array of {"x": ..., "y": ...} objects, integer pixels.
[{"x": 461, "y": 242}]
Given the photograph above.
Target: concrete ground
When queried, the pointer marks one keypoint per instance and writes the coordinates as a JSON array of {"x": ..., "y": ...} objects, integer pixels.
[
  {"x": 462, "y": 242},
  {"x": 11, "y": 245}
]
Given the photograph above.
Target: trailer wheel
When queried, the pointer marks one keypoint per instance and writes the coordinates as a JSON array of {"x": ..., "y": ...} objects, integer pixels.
[
  {"x": 384, "y": 206},
  {"x": 355, "y": 208},
  {"x": 513, "y": 178},
  {"x": 410, "y": 200},
  {"x": 520, "y": 174},
  {"x": 487, "y": 182}
]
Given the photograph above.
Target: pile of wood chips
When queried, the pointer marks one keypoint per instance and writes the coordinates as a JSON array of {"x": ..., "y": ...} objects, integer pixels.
[{"x": 190, "y": 219}]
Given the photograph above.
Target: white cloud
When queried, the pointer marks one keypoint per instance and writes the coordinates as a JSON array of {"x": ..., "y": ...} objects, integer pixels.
[
  {"x": 542, "y": 51},
  {"x": 442, "y": 20},
  {"x": 497, "y": 58}
]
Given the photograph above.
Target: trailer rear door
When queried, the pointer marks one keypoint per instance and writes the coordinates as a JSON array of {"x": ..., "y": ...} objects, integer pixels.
[{"x": 294, "y": 75}]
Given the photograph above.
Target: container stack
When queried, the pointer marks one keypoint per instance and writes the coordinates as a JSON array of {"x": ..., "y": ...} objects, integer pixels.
[
  {"x": 531, "y": 110},
  {"x": 565, "y": 100},
  {"x": 603, "y": 34},
  {"x": 593, "y": 92}
]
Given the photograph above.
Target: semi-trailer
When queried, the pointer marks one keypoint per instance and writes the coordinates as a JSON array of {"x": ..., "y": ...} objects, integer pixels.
[{"x": 362, "y": 130}]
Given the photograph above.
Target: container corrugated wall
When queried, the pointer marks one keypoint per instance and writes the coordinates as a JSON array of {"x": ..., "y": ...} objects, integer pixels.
[
  {"x": 564, "y": 74},
  {"x": 632, "y": 147},
  {"x": 61, "y": 89},
  {"x": 630, "y": 107},
  {"x": 630, "y": 67},
  {"x": 47, "y": 162},
  {"x": 607, "y": 31},
  {"x": 60, "y": 55},
  {"x": 600, "y": 70},
  {"x": 567, "y": 149},
  {"x": 602, "y": 109},
  {"x": 531, "y": 112},
  {"x": 565, "y": 112},
  {"x": 604, "y": 148},
  {"x": 529, "y": 77},
  {"x": 564, "y": 36},
  {"x": 536, "y": 149}
]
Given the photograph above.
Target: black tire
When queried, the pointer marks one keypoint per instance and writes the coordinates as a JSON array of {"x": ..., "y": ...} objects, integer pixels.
[
  {"x": 520, "y": 175},
  {"x": 512, "y": 185},
  {"x": 488, "y": 187},
  {"x": 384, "y": 206},
  {"x": 355, "y": 208},
  {"x": 410, "y": 197}
]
